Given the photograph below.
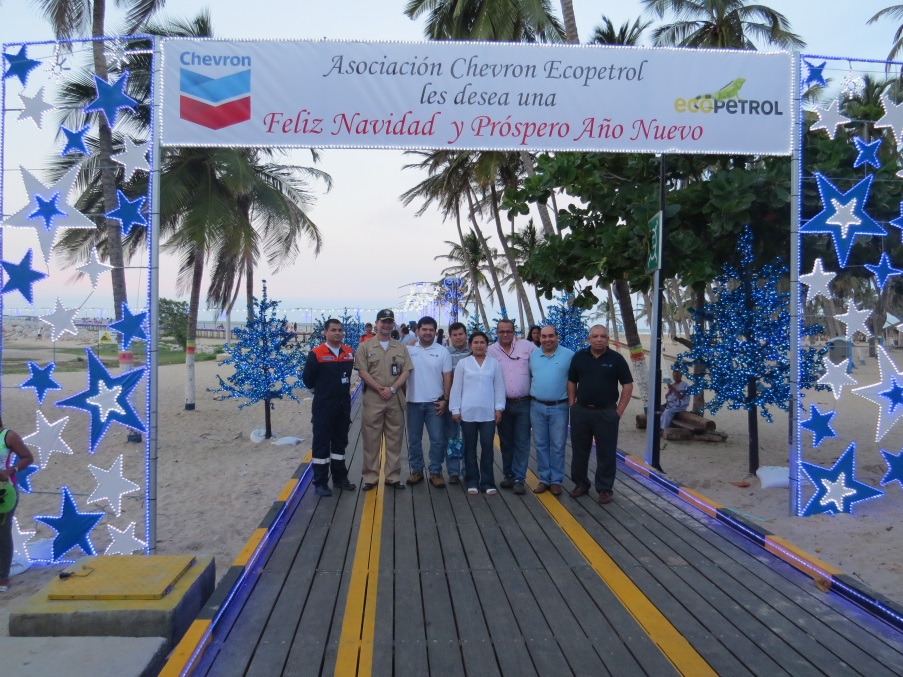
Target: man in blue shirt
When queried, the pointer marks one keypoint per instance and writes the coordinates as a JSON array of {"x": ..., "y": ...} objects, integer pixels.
[{"x": 549, "y": 409}]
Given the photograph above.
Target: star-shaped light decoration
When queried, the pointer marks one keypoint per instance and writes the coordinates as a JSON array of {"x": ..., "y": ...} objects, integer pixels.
[
  {"x": 48, "y": 438},
  {"x": 829, "y": 119},
  {"x": 57, "y": 68},
  {"x": 894, "y": 468},
  {"x": 62, "y": 321},
  {"x": 132, "y": 157},
  {"x": 892, "y": 118},
  {"x": 852, "y": 84},
  {"x": 21, "y": 538},
  {"x": 47, "y": 209},
  {"x": 73, "y": 528},
  {"x": 72, "y": 218},
  {"x": 883, "y": 270},
  {"x": 843, "y": 216},
  {"x": 818, "y": 281},
  {"x": 75, "y": 141},
  {"x": 111, "y": 98},
  {"x": 868, "y": 153},
  {"x": 94, "y": 268},
  {"x": 21, "y": 277},
  {"x": 41, "y": 380},
  {"x": 819, "y": 425},
  {"x": 111, "y": 485},
  {"x": 855, "y": 319},
  {"x": 23, "y": 477},
  {"x": 34, "y": 107},
  {"x": 130, "y": 327},
  {"x": 19, "y": 65},
  {"x": 898, "y": 222},
  {"x": 836, "y": 488},
  {"x": 836, "y": 377},
  {"x": 123, "y": 542},
  {"x": 887, "y": 394},
  {"x": 127, "y": 212},
  {"x": 814, "y": 76},
  {"x": 94, "y": 400}
]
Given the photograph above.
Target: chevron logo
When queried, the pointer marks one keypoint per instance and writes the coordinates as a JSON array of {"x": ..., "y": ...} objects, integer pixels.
[{"x": 215, "y": 102}]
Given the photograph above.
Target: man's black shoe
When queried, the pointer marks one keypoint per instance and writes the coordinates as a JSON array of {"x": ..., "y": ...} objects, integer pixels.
[
  {"x": 367, "y": 486},
  {"x": 398, "y": 486},
  {"x": 322, "y": 490},
  {"x": 344, "y": 485}
]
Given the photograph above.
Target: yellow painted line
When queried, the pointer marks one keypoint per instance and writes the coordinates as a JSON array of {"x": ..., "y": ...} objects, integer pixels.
[
  {"x": 287, "y": 490},
  {"x": 193, "y": 642},
  {"x": 355, "y": 652},
  {"x": 251, "y": 546},
  {"x": 707, "y": 505},
  {"x": 800, "y": 559}
]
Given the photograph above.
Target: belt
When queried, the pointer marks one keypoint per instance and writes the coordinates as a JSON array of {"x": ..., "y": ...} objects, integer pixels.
[
  {"x": 598, "y": 406},
  {"x": 553, "y": 403},
  {"x": 515, "y": 400}
]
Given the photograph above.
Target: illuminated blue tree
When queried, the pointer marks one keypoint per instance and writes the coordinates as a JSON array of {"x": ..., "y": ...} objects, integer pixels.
[
  {"x": 353, "y": 327},
  {"x": 743, "y": 342},
  {"x": 268, "y": 364},
  {"x": 450, "y": 293},
  {"x": 569, "y": 321}
]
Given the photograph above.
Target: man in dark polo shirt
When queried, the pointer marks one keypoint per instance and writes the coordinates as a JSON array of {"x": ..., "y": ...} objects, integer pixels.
[{"x": 596, "y": 409}]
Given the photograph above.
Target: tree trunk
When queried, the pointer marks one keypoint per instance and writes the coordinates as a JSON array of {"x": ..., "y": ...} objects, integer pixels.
[
  {"x": 752, "y": 418},
  {"x": 698, "y": 368},
  {"x": 194, "y": 304},
  {"x": 542, "y": 312},
  {"x": 570, "y": 22},
  {"x": 541, "y": 207},
  {"x": 491, "y": 264},
  {"x": 614, "y": 317},
  {"x": 632, "y": 337},
  {"x": 509, "y": 255},
  {"x": 268, "y": 425},
  {"x": 249, "y": 287}
]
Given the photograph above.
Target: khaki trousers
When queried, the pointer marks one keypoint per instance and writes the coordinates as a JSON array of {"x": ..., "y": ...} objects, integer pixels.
[{"x": 380, "y": 420}]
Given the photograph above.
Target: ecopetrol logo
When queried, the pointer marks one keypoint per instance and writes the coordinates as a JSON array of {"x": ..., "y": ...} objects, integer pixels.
[
  {"x": 215, "y": 102},
  {"x": 727, "y": 101}
]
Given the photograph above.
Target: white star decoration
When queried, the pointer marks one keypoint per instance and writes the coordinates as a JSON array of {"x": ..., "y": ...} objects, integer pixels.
[
  {"x": 124, "y": 542},
  {"x": 836, "y": 377},
  {"x": 818, "y": 281},
  {"x": 106, "y": 401},
  {"x": 132, "y": 157},
  {"x": 62, "y": 320},
  {"x": 843, "y": 216},
  {"x": 835, "y": 492},
  {"x": 855, "y": 318},
  {"x": 830, "y": 119},
  {"x": 20, "y": 539},
  {"x": 94, "y": 268},
  {"x": 111, "y": 485},
  {"x": 892, "y": 118},
  {"x": 34, "y": 107},
  {"x": 48, "y": 438},
  {"x": 887, "y": 394},
  {"x": 71, "y": 217}
]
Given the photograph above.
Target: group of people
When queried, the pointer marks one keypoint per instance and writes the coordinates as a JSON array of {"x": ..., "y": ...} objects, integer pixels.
[{"x": 470, "y": 389}]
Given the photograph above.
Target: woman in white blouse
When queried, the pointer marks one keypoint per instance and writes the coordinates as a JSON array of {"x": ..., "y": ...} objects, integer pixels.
[{"x": 477, "y": 401}]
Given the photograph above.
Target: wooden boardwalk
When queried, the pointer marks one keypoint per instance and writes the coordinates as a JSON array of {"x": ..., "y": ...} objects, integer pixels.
[{"x": 435, "y": 582}]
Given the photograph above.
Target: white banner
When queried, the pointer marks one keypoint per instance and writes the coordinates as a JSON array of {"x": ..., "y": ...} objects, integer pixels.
[{"x": 475, "y": 96}]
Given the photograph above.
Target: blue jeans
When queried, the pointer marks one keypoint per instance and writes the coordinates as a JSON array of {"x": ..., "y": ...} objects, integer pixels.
[
  {"x": 550, "y": 436},
  {"x": 514, "y": 438},
  {"x": 482, "y": 476},
  {"x": 420, "y": 413},
  {"x": 452, "y": 428}
]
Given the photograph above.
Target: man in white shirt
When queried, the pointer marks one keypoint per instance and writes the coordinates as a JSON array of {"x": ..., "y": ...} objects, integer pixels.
[{"x": 427, "y": 396}]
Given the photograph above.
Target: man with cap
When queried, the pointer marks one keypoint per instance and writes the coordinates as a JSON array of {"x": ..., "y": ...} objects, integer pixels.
[{"x": 384, "y": 365}]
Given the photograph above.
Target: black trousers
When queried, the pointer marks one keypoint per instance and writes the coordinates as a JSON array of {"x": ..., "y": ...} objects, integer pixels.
[
  {"x": 601, "y": 424},
  {"x": 331, "y": 420}
]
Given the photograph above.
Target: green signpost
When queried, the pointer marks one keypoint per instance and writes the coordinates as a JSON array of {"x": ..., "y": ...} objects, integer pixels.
[{"x": 654, "y": 262}]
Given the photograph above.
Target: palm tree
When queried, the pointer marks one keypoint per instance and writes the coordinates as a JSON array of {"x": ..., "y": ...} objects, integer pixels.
[
  {"x": 570, "y": 22},
  {"x": 892, "y": 12},
  {"x": 503, "y": 20},
  {"x": 606, "y": 34},
  {"x": 467, "y": 261},
  {"x": 523, "y": 243}
]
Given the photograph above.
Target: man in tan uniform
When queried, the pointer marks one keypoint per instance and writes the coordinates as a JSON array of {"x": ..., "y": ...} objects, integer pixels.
[{"x": 384, "y": 365}]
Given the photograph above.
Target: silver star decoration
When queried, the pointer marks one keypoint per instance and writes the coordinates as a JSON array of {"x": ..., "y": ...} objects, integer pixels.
[
  {"x": 71, "y": 218},
  {"x": 34, "y": 107},
  {"x": 852, "y": 85},
  {"x": 830, "y": 119},
  {"x": 836, "y": 377},
  {"x": 892, "y": 118},
  {"x": 818, "y": 281},
  {"x": 57, "y": 67},
  {"x": 111, "y": 485},
  {"x": 94, "y": 268},
  {"x": 48, "y": 438},
  {"x": 106, "y": 401},
  {"x": 835, "y": 492},
  {"x": 62, "y": 320},
  {"x": 843, "y": 216},
  {"x": 123, "y": 542},
  {"x": 132, "y": 157},
  {"x": 20, "y": 539},
  {"x": 855, "y": 319},
  {"x": 888, "y": 412}
]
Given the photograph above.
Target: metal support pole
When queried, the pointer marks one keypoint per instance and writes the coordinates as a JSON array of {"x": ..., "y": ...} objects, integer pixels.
[
  {"x": 796, "y": 152},
  {"x": 653, "y": 415}
]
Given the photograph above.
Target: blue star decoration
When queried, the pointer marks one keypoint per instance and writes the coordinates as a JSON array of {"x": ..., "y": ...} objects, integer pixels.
[
  {"x": 72, "y": 527},
  {"x": 127, "y": 213},
  {"x": 836, "y": 488},
  {"x": 815, "y": 75},
  {"x": 41, "y": 380},
  {"x": 111, "y": 98},
  {"x": 843, "y": 216},
  {"x": 130, "y": 327},
  {"x": 114, "y": 391},
  {"x": 46, "y": 210},
  {"x": 75, "y": 141},
  {"x": 883, "y": 270},
  {"x": 868, "y": 153},
  {"x": 819, "y": 425},
  {"x": 19, "y": 65},
  {"x": 21, "y": 276},
  {"x": 23, "y": 477},
  {"x": 894, "y": 467}
]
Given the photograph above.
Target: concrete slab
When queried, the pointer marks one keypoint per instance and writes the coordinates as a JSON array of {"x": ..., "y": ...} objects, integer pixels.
[{"x": 82, "y": 656}]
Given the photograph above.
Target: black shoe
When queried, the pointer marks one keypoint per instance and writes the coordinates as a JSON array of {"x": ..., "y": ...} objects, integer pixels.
[
  {"x": 344, "y": 485},
  {"x": 398, "y": 486},
  {"x": 322, "y": 491},
  {"x": 368, "y": 486},
  {"x": 519, "y": 488},
  {"x": 507, "y": 483}
]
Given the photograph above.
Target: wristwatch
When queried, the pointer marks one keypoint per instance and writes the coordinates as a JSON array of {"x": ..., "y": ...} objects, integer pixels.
[{"x": 392, "y": 390}]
